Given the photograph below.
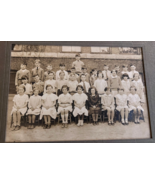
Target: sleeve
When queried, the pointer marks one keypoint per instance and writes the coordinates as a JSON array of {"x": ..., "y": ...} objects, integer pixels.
[
  {"x": 29, "y": 103},
  {"x": 29, "y": 76},
  {"x": 73, "y": 64},
  {"x": 16, "y": 79},
  {"x": 85, "y": 97},
  {"x": 112, "y": 103},
  {"x": 54, "y": 97},
  {"x": 119, "y": 81},
  {"x": 26, "y": 99},
  {"x": 14, "y": 99},
  {"x": 88, "y": 86},
  {"x": 74, "y": 97},
  {"x": 31, "y": 88},
  {"x": 70, "y": 99},
  {"x": 95, "y": 83},
  {"x": 45, "y": 87},
  {"x": 59, "y": 99},
  {"x": 44, "y": 97},
  {"x": 98, "y": 101},
  {"x": 106, "y": 84},
  {"x": 57, "y": 75},
  {"x": 39, "y": 103},
  {"x": 42, "y": 75},
  {"x": 102, "y": 99},
  {"x": 128, "y": 98},
  {"x": 109, "y": 82}
]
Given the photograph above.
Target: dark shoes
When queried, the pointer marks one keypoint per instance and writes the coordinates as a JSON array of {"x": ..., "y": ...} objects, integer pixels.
[
  {"x": 17, "y": 128},
  {"x": 45, "y": 127}
]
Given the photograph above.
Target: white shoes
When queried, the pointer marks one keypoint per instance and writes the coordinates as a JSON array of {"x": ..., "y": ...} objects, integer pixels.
[{"x": 80, "y": 123}]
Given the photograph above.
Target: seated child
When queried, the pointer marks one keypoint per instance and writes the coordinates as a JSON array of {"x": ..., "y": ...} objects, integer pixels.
[
  {"x": 134, "y": 104},
  {"x": 19, "y": 108},
  {"x": 50, "y": 81},
  {"x": 93, "y": 76},
  {"x": 80, "y": 110},
  {"x": 48, "y": 107},
  {"x": 39, "y": 85},
  {"x": 94, "y": 104},
  {"x": 121, "y": 101},
  {"x": 65, "y": 105},
  {"x": 114, "y": 82},
  {"x": 84, "y": 71},
  {"x": 34, "y": 108},
  {"x": 37, "y": 71},
  {"x": 107, "y": 101},
  {"x": 49, "y": 70},
  {"x": 106, "y": 72},
  {"x": 62, "y": 69},
  {"x": 60, "y": 82},
  {"x": 72, "y": 84},
  {"x": 126, "y": 83},
  {"x": 137, "y": 82},
  {"x": 22, "y": 72},
  {"x": 100, "y": 83},
  {"x": 27, "y": 86},
  {"x": 84, "y": 84},
  {"x": 133, "y": 71}
]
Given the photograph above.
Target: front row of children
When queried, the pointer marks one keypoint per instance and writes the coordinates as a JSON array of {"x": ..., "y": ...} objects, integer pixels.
[{"x": 45, "y": 106}]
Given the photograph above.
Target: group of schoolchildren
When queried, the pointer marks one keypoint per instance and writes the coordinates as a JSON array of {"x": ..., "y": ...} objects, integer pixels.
[{"x": 48, "y": 94}]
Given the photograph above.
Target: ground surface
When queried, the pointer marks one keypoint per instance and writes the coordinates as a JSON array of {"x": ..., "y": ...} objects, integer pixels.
[{"x": 74, "y": 133}]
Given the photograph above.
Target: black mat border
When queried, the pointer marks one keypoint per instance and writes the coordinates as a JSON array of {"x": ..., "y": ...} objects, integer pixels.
[{"x": 148, "y": 49}]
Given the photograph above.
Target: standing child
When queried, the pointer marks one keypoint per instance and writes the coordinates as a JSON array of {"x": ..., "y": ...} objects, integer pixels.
[
  {"x": 106, "y": 72},
  {"x": 100, "y": 83},
  {"x": 59, "y": 83},
  {"x": 114, "y": 82},
  {"x": 34, "y": 108},
  {"x": 37, "y": 71},
  {"x": 20, "y": 107},
  {"x": 117, "y": 68},
  {"x": 94, "y": 104},
  {"x": 107, "y": 101},
  {"x": 126, "y": 83},
  {"x": 84, "y": 71},
  {"x": 48, "y": 107},
  {"x": 65, "y": 101},
  {"x": 80, "y": 110},
  {"x": 78, "y": 64},
  {"x": 93, "y": 76},
  {"x": 134, "y": 104},
  {"x": 121, "y": 102},
  {"x": 72, "y": 84},
  {"x": 137, "y": 82},
  {"x": 38, "y": 84},
  {"x": 125, "y": 70},
  {"x": 22, "y": 72},
  {"x": 73, "y": 72},
  {"x": 62, "y": 69},
  {"x": 51, "y": 82},
  {"x": 27, "y": 86},
  {"x": 84, "y": 84},
  {"x": 46, "y": 73},
  {"x": 133, "y": 71}
]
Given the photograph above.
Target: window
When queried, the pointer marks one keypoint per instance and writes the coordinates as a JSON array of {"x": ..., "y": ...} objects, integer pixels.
[
  {"x": 71, "y": 49},
  {"x": 100, "y": 49}
]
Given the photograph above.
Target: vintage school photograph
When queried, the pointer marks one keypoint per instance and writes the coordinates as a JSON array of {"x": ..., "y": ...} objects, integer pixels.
[{"x": 76, "y": 93}]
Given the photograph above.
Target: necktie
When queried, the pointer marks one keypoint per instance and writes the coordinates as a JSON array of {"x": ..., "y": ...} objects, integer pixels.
[
  {"x": 84, "y": 86},
  {"x": 37, "y": 71}
]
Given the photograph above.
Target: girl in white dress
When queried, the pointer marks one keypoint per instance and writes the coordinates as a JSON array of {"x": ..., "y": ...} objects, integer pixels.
[
  {"x": 65, "y": 105},
  {"x": 34, "y": 108},
  {"x": 137, "y": 82},
  {"x": 19, "y": 108},
  {"x": 126, "y": 83},
  {"x": 48, "y": 106},
  {"x": 80, "y": 110},
  {"x": 121, "y": 101},
  {"x": 134, "y": 104},
  {"x": 100, "y": 83}
]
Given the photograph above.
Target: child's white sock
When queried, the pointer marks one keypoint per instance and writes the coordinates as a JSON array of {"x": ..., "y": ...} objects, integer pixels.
[
  {"x": 122, "y": 120},
  {"x": 79, "y": 123},
  {"x": 126, "y": 120}
]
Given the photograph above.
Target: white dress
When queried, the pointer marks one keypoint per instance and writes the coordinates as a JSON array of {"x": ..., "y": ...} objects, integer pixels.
[
  {"x": 134, "y": 102},
  {"x": 34, "y": 102},
  {"x": 48, "y": 100},
  {"x": 121, "y": 101},
  {"x": 140, "y": 89},
  {"x": 65, "y": 99},
  {"x": 20, "y": 102},
  {"x": 126, "y": 86},
  {"x": 80, "y": 99}
]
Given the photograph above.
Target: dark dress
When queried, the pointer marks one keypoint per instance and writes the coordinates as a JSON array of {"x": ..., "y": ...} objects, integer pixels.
[{"x": 94, "y": 101}]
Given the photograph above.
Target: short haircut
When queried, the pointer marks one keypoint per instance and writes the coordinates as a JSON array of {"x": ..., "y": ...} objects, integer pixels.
[
  {"x": 61, "y": 73},
  {"x": 93, "y": 87},
  {"x": 107, "y": 89},
  {"x": 84, "y": 67},
  {"x": 117, "y": 66},
  {"x": 37, "y": 60},
  {"x": 114, "y": 70},
  {"x": 79, "y": 86},
  {"x": 25, "y": 78},
  {"x": 49, "y": 86},
  {"x": 133, "y": 87},
  {"x": 36, "y": 90},
  {"x": 105, "y": 65},
  {"x": 123, "y": 66},
  {"x": 82, "y": 75},
  {"x": 77, "y": 55},
  {"x": 51, "y": 73},
  {"x": 22, "y": 86},
  {"x": 100, "y": 72},
  {"x": 125, "y": 75},
  {"x": 73, "y": 68},
  {"x": 120, "y": 89},
  {"x": 62, "y": 65},
  {"x": 24, "y": 63},
  {"x": 65, "y": 86},
  {"x": 49, "y": 65},
  {"x": 132, "y": 65},
  {"x": 72, "y": 74}
]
